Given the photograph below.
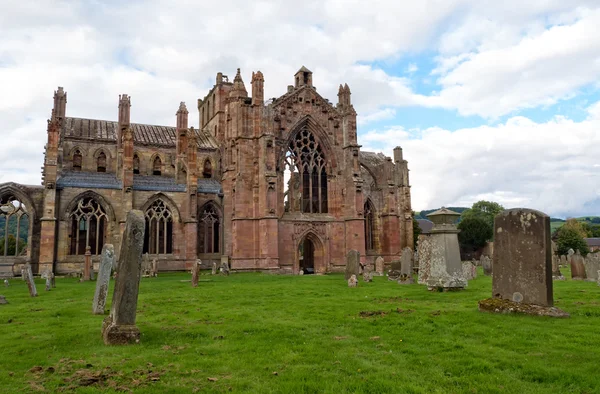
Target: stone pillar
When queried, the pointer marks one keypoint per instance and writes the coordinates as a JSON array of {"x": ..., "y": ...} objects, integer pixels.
[
  {"x": 28, "y": 275},
  {"x": 106, "y": 263},
  {"x": 87, "y": 267},
  {"x": 446, "y": 266},
  {"x": 119, "y": 327},
  {"x": 352, "y": 264}
]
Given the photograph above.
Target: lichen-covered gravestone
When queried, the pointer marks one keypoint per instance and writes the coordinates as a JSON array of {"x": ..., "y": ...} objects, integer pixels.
[
  {"x": 379, "y": 265},
  {"x": 352, "y": 264},
  {"x": 577, "y": 265},
  {"x": 28, "y": 277},
  {"x": 592, "y": 265},
  {"x": 424, "y": 252},
  {"x": 395, "y": 270},
  {"x": 469, "y": 270},
  {"x": 368, "y": 273},
  {"x": 106, "y": 264},
  {"x": 195, "y": 273},
  {"x": 522, "y": 280},
  {"x": 214, "y": 268},
  {"x": 224, "y": 269},
  {"x": 119, "y": 327},
  {"x": 406, "y": 267}
]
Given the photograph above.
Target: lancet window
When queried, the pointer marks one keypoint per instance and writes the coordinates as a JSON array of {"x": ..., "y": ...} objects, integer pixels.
[
  {"x": 136, "y": 164},
  {"x": 209, "y": 230},
  {"x": 157, "y": 166},
  {"x": 77, "y": 159},
  {"x": 88, "y": 227},
  {"x": 14, "y": 227},
  {"x": 207, "y": 169},
  {"x": 369, "y": 226},
  {"x": 159, "y": 229},
  {"x": 101, "y": 162},
  {"x": 306, "y": 175}
]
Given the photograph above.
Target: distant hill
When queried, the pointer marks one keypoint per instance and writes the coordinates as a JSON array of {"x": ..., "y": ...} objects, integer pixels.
[{"x": 591, "y": 220}]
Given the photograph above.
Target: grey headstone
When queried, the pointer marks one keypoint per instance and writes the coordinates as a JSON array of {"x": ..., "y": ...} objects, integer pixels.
[
  {"x": 352, "y": 281},
  {"x": 592, "y": 265},
  {"x": 424, "y": 251},
  {"x": 522, "y": 257},
  {"x": 469, "y": 270},
  {"x": 28, "y": 276},
  {"x": 224, "y": 269},
  {"x": 352, "y": 264},
  {"x": 577, "y": 265},
  {"x": 214, "y": 268},
  {"x": 119, "y": 327},
  {"x": 196, "y": 273},
  {"x": 406, "y": 267},
  {"x": 486, "y": 264},
  {"x": 556, "y": 274},
  {"x": 106, "y": 264},
  {"x": 154, "y": 268},
  {"x": 3, "y": 300},
  {"x": 379, "y": 265},
  {"x": 563, "y": 261}
]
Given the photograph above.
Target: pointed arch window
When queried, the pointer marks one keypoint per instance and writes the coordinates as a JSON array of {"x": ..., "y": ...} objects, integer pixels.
[
  {"x": 136, "y": 164},
  {"x": 369, "y": 226},
  {"x": 157, "y": 166},
  {"x": 306, "y": 174},
  {"x": 207, "y": 169},
  {"x": 14, "y": 227},
  {"x": 209, "y": 230},
  {"x": 101, "y": 162},
  {"x": 88, "y": 227},
  {"x": 159, "y": 229},
  {"x": 77, "y": 159}
]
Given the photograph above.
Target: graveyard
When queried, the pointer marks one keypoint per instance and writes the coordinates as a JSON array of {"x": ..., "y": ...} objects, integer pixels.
[{"x": 261, "y": 333}]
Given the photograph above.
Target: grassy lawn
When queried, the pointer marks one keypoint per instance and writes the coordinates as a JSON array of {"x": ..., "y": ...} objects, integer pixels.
[{"x": 263, "y": 333}]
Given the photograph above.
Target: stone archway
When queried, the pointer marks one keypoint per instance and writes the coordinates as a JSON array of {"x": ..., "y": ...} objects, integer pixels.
[{"x": 310, "y": 255}]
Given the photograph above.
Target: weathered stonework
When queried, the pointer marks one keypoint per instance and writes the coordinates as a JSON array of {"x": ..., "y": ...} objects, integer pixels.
[{"x": 424, "y": 252}]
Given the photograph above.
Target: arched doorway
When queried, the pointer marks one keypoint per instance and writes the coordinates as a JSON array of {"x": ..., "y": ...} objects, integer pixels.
[{"x": 311, "y": 255}]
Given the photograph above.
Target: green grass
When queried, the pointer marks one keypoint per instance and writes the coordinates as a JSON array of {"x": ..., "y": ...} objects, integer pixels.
[{"x": 263, "y": 333}]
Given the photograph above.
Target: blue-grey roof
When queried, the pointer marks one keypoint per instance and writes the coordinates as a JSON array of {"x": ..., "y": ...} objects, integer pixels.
[
  {"x": 209, "y": 185},
  {"x": 157, "y": 183},
  {"x": 92, "y": 180}
]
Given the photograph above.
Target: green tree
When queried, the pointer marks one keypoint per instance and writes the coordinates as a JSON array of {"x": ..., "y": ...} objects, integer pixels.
[
  {"x": 475, "y": 231},
  {"x": 486, "y": 210},
  {"x": 12, "y": 243},
  {"x": 416, "y": 231},
  {"x": 570, "y": 238}
]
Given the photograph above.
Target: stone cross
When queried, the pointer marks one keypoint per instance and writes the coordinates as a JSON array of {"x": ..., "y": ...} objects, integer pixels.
[
  {"x": 196, "y": 273},
  {"x": 577, "y": 265},
  {"x": 106, "y": 264},
  {"x": 522, "y": 257},
  {"x": 424, "y": 252},
  {"x": 119, "y": 327},
  {"x": 28, "y": 275},
  {"x": 352, "y": 281},
  {"x": 379, "y": 265},
  {"x": 352, "y": 264},
  {"x": 406, "y": 267},
  {"x": 87, "y": 266}
]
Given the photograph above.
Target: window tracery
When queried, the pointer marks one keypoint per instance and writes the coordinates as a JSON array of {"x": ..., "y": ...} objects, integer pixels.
[
  {"x": 159, "y": 229},
  {"x": 88, "y": 227},
  {"x": 209, "y": 230},
  {"x": 14, "y": 227}
]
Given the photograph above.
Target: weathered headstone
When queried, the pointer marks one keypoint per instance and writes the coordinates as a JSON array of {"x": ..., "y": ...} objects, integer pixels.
[
  {"x": 469, "y": 270},
  {"x": 368, "y": 273},
  {"x": 446, "y": 267},
  {"x": 556, "y": 274},
  {"x": 563, "y": 261},
  {"x": 119, "y": 327},
  {"x": 577, "y": 266},
  {"x": 87, "y": 265},
  {"x": 352, "y": 281},
  {"x": 592, "y": 265},
  {"x": 154, "y": 268},
  {"x": 6, "y": 283},
  {"x": 214, "y": 268},
  {"x": 195, "y": 273},
  {"x": 106, "y": 264},
  {"x": 406, "y": 267},
  {"x": 486, "y": 264},
  {"x": 28, "y": 276},
  {"x": 224, "y": 269},
  {"x": 352, "y": 264},
  {"x": 424, "y": 251},
  {"x": 146, "y": 266},
  {"x": 3, "y": 300},
  {"x": 395, "y": 270},
  {"x": 379, "y": 265}
]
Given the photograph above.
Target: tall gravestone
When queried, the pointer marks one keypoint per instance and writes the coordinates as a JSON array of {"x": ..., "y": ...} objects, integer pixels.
[
  {"x": 195, "y": 273},
  {"x": 119, "y": 327},
  {"x": 486, "y": 264},
  {"x": 28, "y": 276},
  {"x": 352, "y": 264},
  {"x": 445, "y": 267},
  {"x": 406, "y": 267},
  {"x": 469, "y": 270},
  {"x": 106, "y": 264},
  {"x": 87, "y": 265},
  {"x": 577, "y": 265},
  {"x": 592, "y": 265},
  {"x": 424, "y": 252},
  {"x": 379, "y": 265},
  {"x": 395, "y": 269}
]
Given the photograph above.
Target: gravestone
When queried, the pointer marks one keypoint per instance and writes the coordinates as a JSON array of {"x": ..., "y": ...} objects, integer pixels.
[
  {"x": 563, "y": 261},
  {"x": 592, "y": 265},
  {"x": 352, "y": 264},
  {"x": 368, "y": 273},
  {"x": 446, "y": 267},
  {"x": 486, "y": 264},
  {"x": 522, "y": 257},
  {"x": 154, "y": 268},
  {"x": 224, "y": 269},
  {"x": 87, "y": 266},
  {"x": 577, "y": 265},
  {"x": 6, "y": 283},
  {"x": 3, "y": 300},
  {"x": 48, "y": 275},
  {"x": 195, "y": 273},
  {"x": 379, "y": 265},
  {"x": 119, "y": 327},
  {"x": 424, "y": 251},
  {"x": 406, "y": 267},
  {"x": 214, "y": 268},
  {"x": 469, "y": 270},
  {"x": 352, "y": 281},
  {"x": 146, "y": 266},
  {"x": 28, "y": 277},
  {"x": 556, "y": 274},
  {"x": 395, "y": 270},
  {"x": 106, "y": 264}
]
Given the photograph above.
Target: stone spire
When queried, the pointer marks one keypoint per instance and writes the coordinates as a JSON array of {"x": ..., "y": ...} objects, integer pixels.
[
  {"x": 344, "y": 95},
  {"x": 239, "y": 89},
  {"x": 60, "y": 104},
  {"x": 124, "y": 110},
  {"x": 182, "y": 116},
  {"x": 258, "y": 90}
]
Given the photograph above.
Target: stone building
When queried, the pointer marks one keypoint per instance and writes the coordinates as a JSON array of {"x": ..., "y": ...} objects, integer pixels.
[{"x": 280, "y": 185}]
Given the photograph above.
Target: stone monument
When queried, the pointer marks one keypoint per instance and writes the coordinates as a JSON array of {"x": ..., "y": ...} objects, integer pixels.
[
  {"x": 106, "y": 264},
  {"x": 577, "y": 265},
  {"x": 379, "y": 266},
  {"x": 592, "y": 265},
  {"x": 406, "y": 267},
  {"x": 486, "y": 264},
  {"x": 196, "y": 273},
  {"x": 28, "y": 277},
  {"x": 352, "y": 281},
  {"x": 352, "y": 264},
  {"x": 87, "y": 266},
  {"x": 424, "y": 252}
]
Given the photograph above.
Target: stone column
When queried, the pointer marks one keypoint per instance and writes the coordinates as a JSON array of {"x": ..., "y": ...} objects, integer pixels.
[
  {"x": 119, "y": 327},
  {"x": 87, "y": 267},
  {"x": 28, "y": 276},
  {"x": 106, "y": 263}
]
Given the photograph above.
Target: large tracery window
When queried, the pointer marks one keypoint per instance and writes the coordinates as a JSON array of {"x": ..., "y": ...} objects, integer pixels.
[
  {"x": 88, "y": 227},
  {"x": 306, "y": 175},
  {"x": 369, "y": 226},
  {"x": 14, "y": 227},
  {"x": 209, "y": 230},
  {"x": 159, "y": 229}
]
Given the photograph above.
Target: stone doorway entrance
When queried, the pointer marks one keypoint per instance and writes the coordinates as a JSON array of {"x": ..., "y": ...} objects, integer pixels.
[{"x": 306, "y": 253}]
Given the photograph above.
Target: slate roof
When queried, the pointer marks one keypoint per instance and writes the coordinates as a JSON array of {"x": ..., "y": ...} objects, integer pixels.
[
  {"x": 592, "y": 241},
  {"x": 102, "y": 180},
  {"x": 143, "y": 134}
]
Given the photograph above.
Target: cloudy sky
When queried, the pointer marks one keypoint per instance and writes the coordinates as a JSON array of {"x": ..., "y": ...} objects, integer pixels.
[{"x": 495, "y": 100}]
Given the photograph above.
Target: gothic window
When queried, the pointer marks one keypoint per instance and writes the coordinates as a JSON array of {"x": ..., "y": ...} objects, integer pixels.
[
  {"x": 306, "y": 173},
  {"x": 157, "y": 166},
  {"x": 136, "y": 164},
  {"x": 101, "y": 162},
  {"x": 88, "y": 227},
  {"x": 209, "y": 230},
  {"x": 207, "y": 170},
  {"x": 159, "y": 229},
  {"x": 369, "y": 226},
  {"x": 14, "y": 227},
  {"x": 77, "y": 159}
]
